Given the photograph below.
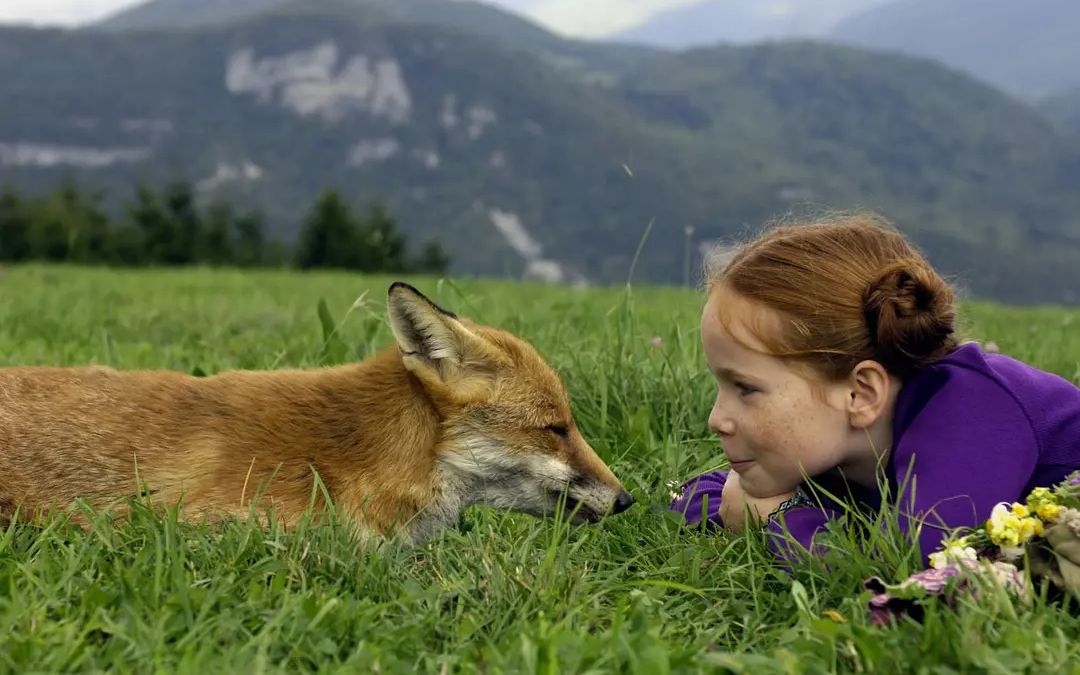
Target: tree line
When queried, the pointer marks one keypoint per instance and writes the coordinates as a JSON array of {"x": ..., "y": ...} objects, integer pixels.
[{"x": 169, "y": 226}]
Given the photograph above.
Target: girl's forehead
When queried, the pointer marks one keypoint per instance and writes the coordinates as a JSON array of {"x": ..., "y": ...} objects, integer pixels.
[{"x": 731, "y": 317}]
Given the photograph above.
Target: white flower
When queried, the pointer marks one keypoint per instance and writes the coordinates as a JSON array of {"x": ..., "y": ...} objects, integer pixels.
[
  {"x": 1011, "y": 553},
  {"x": 955, "y": 552}
]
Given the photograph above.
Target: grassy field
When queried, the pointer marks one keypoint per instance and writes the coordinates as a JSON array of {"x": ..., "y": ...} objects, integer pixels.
[{"x": 504, "y": 593}]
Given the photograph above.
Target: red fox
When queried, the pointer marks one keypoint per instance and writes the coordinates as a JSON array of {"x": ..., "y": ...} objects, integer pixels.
[{"x": 453, "y": 414}]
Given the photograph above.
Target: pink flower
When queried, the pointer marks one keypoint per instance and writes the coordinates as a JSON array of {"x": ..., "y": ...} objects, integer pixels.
[{"x": 888, "y": 602}]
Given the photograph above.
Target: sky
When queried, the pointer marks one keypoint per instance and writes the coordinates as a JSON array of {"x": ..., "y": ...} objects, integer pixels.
[{"x": 581, "y": 18}]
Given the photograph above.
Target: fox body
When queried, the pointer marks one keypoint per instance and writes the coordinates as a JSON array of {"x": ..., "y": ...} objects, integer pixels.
[{"x": 453, "y": 414}]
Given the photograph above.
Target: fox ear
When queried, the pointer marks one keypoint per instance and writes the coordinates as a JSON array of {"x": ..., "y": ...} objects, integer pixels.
[{"x": 432, "y": 340}]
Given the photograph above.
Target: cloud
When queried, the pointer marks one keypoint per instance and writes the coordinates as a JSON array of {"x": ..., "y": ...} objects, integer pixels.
[
  {"x": 596, "y": 18},
  {"x": 59, "y": 12}
]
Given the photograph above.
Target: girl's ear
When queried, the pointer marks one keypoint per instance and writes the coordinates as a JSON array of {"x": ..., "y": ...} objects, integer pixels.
[{"x": 870, "y": 393}]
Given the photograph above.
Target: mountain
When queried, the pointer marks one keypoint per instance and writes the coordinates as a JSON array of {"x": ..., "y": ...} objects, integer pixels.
[
  {"x": 181, "y": 14},
  {"x": 268, "y": 110},
  {"x": 1027, "y": 48},
  {"x": 521, "y": 159},
  {"x": 927, "y": 145},
  {"x": 475, "y": 18},
  {"x": 737, "y": 22},
  {"x": 1063, "y": 108}
]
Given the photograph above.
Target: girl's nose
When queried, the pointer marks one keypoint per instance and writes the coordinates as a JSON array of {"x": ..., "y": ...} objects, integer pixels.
[{"x": 720, "y": 423}]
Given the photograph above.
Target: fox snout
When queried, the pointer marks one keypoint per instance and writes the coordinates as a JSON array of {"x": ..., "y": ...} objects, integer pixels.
[
  {"x": 624, "y": 501},
  {"x": 596, "y": 488},
  {"x": 583, "y": 509},
  {"x": 588, "y": 499}
]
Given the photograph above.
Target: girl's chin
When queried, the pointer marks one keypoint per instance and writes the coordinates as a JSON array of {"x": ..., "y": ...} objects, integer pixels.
[{"x": 762, "y": 489}]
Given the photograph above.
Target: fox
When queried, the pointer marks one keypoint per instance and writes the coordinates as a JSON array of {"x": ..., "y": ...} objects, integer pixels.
[{"x": 450, "y": 414}]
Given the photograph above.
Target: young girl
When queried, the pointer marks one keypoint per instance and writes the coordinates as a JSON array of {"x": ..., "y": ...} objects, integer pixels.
[{"x": 834, "y": 349}]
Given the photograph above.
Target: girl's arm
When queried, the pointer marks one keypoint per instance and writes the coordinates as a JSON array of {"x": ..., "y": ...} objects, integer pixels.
[
  {"x": 736, "y": 504},
  {"x": 700, "y": 503}
]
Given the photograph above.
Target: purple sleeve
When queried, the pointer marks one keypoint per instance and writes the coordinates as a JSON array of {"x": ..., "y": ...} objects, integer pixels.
[
  {"x": 699, "y": 501},
  {"x": 969, "y": 447},
  {"x": 791, "y": 534}
]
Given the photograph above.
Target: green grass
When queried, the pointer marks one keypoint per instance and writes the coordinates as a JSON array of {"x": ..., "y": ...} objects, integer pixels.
[{"x": 505, "y": 593}]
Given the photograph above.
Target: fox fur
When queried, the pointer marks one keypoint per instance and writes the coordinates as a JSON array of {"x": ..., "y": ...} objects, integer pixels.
[{"x": 453, "y": 414}]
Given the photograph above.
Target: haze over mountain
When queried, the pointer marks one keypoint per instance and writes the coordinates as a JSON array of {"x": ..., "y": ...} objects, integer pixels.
[
  {"x": 740, "y": 22},
  {"x": 1028, "y": 48}
]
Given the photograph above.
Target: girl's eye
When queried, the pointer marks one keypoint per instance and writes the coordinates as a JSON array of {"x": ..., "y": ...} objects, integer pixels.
[
  {"x": 559, "y": 430},
  {"x": 745, "y": 389}
]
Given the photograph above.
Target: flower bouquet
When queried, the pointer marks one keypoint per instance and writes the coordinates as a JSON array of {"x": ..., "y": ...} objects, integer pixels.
[{"x": 1041, "y": 534}]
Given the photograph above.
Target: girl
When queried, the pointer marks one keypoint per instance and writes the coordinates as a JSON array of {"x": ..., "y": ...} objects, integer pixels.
[{"x": 834, "y": 348}]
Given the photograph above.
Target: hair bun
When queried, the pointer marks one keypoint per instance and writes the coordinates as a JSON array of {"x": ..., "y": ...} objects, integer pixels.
[{"x": 909, "y": 317}]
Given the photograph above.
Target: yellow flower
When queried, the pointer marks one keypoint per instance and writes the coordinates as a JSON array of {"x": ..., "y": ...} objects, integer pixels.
[
  {"x": 1019, "y": 510},
  {"x": 1041, "y": 495},
  {"x": 1045, "y": 504},
  {"x": 1030, "y": 527},
  {"x": 1049, "y": 512},
  {"x": 1007, "y": 527}
]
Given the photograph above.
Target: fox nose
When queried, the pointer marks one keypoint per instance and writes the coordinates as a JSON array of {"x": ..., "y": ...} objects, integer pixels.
[{"x": 624, "y": 501}]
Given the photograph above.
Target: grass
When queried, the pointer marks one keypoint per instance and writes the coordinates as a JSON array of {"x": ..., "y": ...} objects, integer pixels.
[{"x": 504, "y": 593}]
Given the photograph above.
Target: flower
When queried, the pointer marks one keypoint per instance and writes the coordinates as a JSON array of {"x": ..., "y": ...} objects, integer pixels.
[
  {"x": 1045, "y": 504},
  {"x": 1007, "y": 527},
  {"x": 932, "y": 580},
  {"x": 1011, "y": 553},
  {"x": 1043, "y": 533},
  {"x": 1041, "y": 495},
  {"x": 889, "y": 602},
  {"x": 954, "y": 552},
  {"x": 1009, "y": 576},
  {"x": 1049, "y": 512},
  {"x": 676, "y": 490}
]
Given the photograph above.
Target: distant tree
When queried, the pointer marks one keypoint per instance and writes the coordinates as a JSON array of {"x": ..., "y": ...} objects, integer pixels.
[
  {"x": 14, "y": 226},
  {"x": 215, "y": 241},
  {"x": 69, "y": 225},
  {"x": 168, "y": 227},
  {"x": 186, "y": 222},
  {"x": 381, "y": 247},
  {"x": 153, "y": 223},
  {"x": 250, "y": 239},
  {"x": 126, "y": 246},
  {"x": 432, "y": 259},
  {"x": 328, "y": 236}
]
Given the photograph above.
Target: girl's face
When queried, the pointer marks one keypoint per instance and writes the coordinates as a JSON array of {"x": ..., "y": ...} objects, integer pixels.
[{"x": 777, "y": 425}]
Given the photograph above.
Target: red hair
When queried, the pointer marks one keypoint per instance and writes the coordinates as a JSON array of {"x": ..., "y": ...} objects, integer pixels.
[{"x": 846, "y": 290}]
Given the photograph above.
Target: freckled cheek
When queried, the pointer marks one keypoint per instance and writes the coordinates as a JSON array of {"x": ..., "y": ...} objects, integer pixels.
[{"x": 779, "y": 440}]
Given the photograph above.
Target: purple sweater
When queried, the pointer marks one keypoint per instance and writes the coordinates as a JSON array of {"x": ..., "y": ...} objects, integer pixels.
[{"x": 974, "y": 428}]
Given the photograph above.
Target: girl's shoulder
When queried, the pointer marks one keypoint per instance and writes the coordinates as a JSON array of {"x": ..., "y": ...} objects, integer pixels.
[
  {"x": 1031, "y": 386},
  {"x": 973, "y": 380}
]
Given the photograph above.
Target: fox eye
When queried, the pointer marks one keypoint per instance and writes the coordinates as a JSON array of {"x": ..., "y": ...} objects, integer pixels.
[{"x": 559, "y": 430}]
